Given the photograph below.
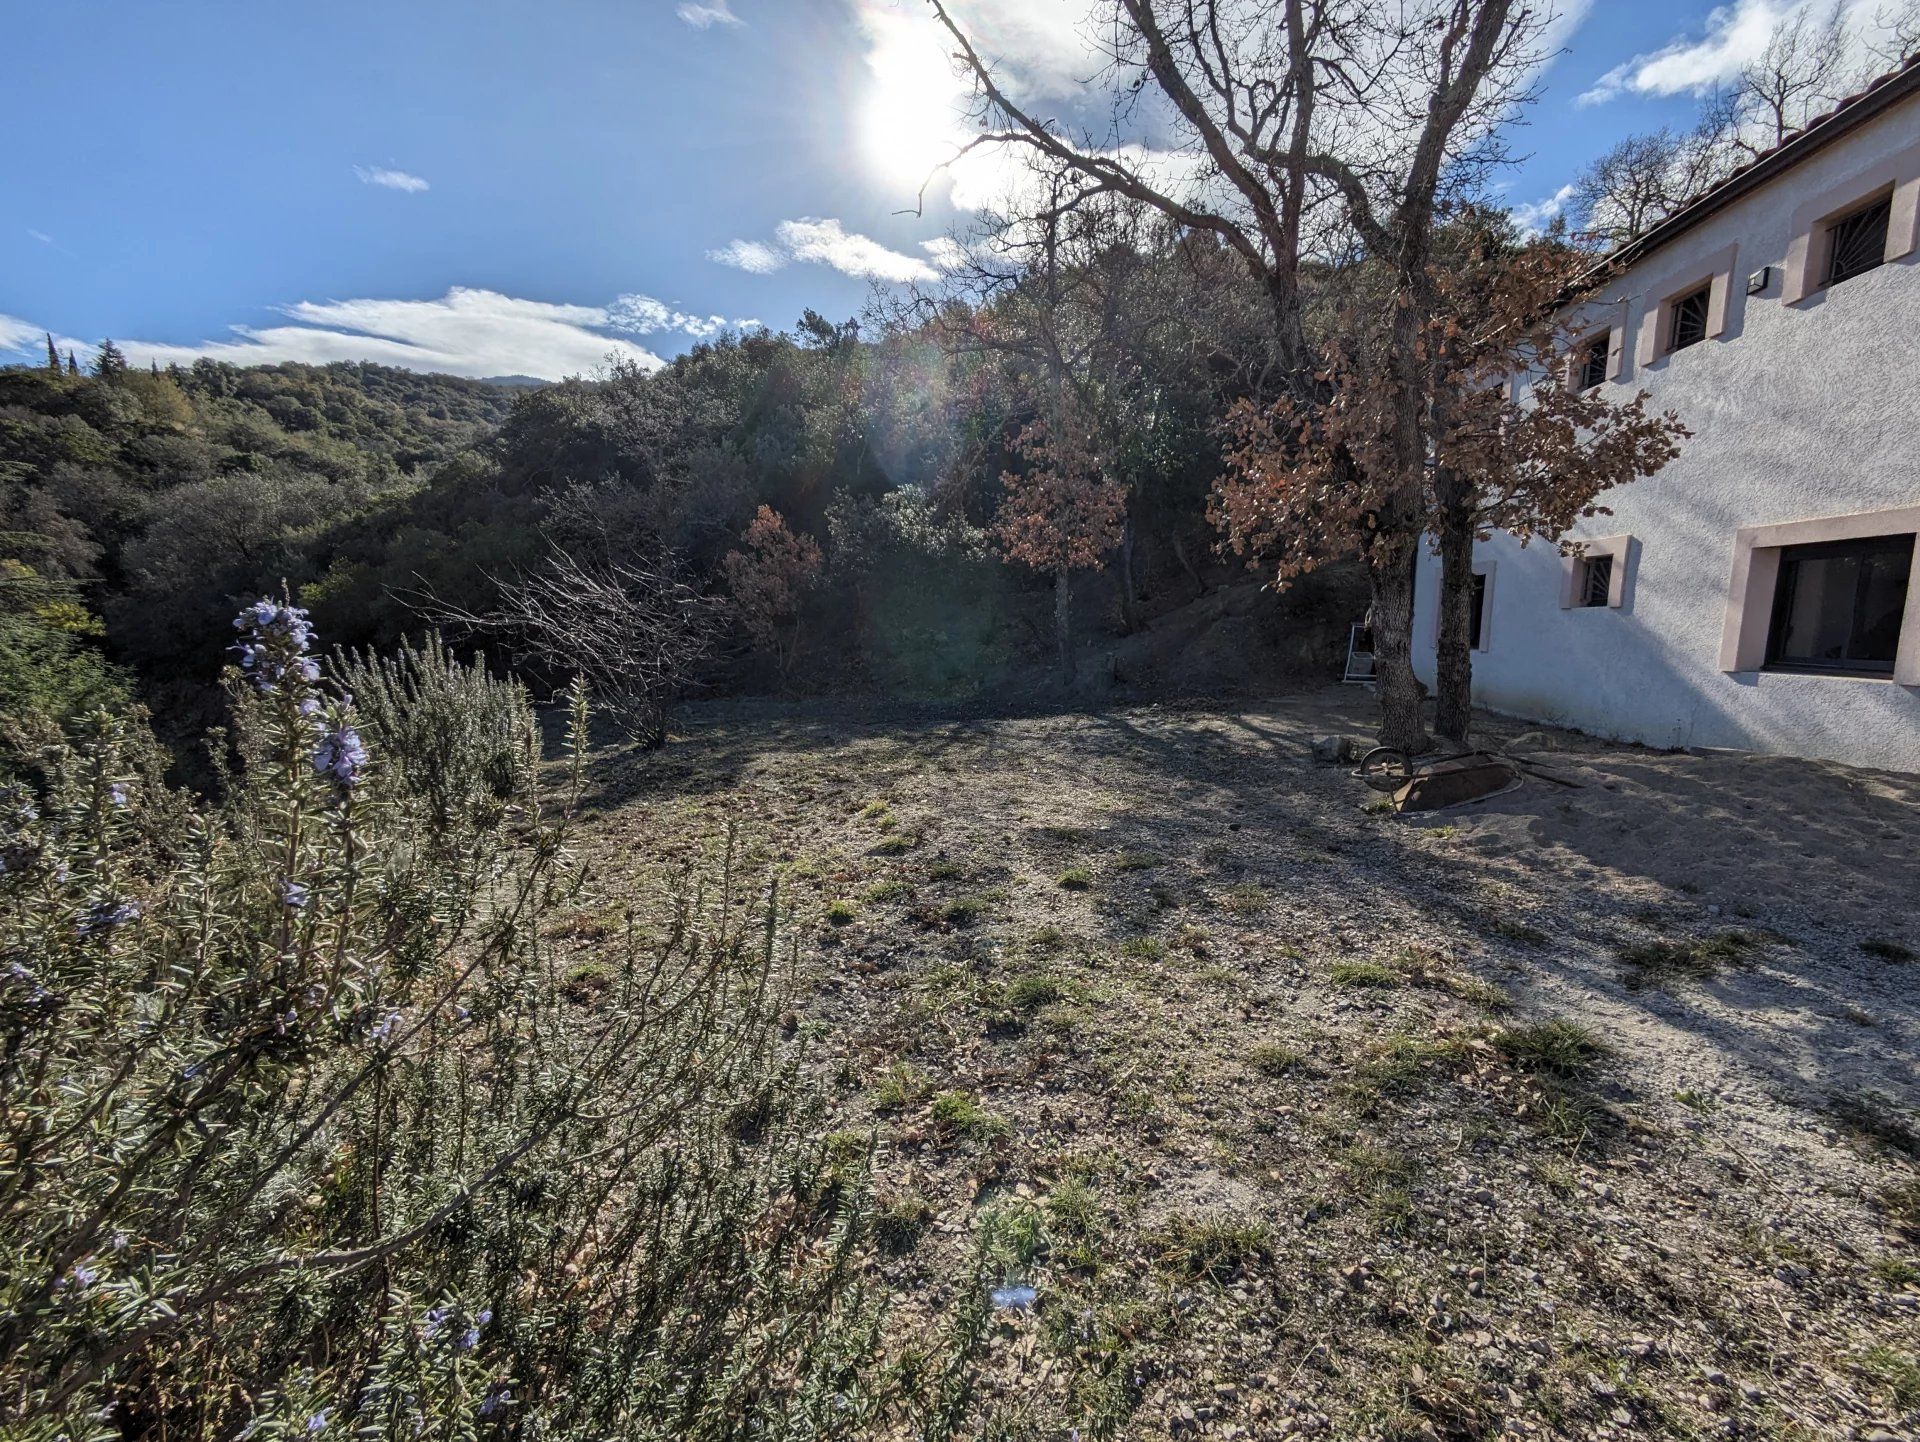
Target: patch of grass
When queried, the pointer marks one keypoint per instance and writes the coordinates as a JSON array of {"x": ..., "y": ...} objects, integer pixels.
[
  {"x": 1064, "y": 835},
  {"x": 1135, "y": 861},
  {"x": 1362, "y": 974},
  {"x": 945, "y": 870},
  {"x": 1516, "y": 931},
  {"x": 1075, "y": 878},
  {"x": 900, "y": 1223},
  {"x": 1398, "y": 1062},
  {"x": 898, "y": 844},
  {"x": 1246, "y": 900},
  {"x": 875, "y": 810},
  {"x": 1887, "y": 949},
  {"x": 1073, "y": 1208},
  {"x": 884, "y": 891},
  {"x": 841, "y": 913},
  {"x": 1046, "y": 941},
  {"x": 1209, "y": 1249},
  {"x": 1901, "y": 1203},
  {"x": 965, "y": 910},
  {"x": 1895, "y": 1271},
  {"x": 1271, "y": 1058},
  {"x": 1379, "y": 806},
  {"x": 1193, "y": 939},
  {"x": 1564, "y": 1113},
  {"x": 1898, "y": 1374},
  {"x": 1034, "y": 990},
  {"x": 1696, "y": 1101},
  {"x": 961, "y": 1114},
  {"x": 1144, "y": 948},
  {"x": 1656, "y": 963},
  {"x": 903, "y": 1086},
  {"x": 586, "y": 981},
  {"x": 1560, "y": 1047}
]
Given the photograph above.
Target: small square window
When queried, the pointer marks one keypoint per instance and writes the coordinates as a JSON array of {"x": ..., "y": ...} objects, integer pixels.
[
  {"x": 1590, "y": 364},
  {"x": 1688, "y": 325},
  {"x": 1596, "y": 581},
  {"x": 1857, "y": 243},
  {"x": 1837, "y": 605}
]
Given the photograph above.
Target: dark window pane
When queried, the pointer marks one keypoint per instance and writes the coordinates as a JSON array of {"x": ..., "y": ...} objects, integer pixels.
[
  {"x": 1858, "y": 243},
  {"x": 1838, "y": 606},
  {"x": 1690, "y": 319},
  {"x": 1593, "y": 362},
  {"x": 1479, "y": 607},
  {"x": 1598, "y": 587}
]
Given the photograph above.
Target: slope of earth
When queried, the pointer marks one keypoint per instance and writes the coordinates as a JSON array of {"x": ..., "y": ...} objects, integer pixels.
[{"x": 1589, "y": 1112}]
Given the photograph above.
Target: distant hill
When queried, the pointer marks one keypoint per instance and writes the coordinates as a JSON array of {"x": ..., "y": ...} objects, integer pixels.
[{"x": 516, "y": 382}]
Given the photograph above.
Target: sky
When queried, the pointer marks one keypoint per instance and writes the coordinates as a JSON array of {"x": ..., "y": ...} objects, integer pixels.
[{"x": 534, "y": 187}]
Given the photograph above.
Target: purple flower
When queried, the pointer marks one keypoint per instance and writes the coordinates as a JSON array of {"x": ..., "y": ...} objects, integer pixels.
[
  {"x": 275, "y": 644},
  {"x": 384, "y": 1027},
  {"x": 497, "y": 1397},
  {"x": 318, "y": 1421},
  {"x": 117, "y": 794},
  {"x": 293, "y": 895},
  {"x": 340, "y": 755},
  {"x": 104, "y": 916},
  {"x": 436, "y": 1318}
]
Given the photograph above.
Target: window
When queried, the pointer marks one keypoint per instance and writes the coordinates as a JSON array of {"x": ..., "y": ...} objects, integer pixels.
[
  {"x": 1590, "y": 362},
  {"x": 1837, "y": 605},
  {"x": 1596, "y": 581},
  {"x": 1688, "y": 325},
  {"x": 1479, "y": 604},
  {"x": 1857, "y": 243}
]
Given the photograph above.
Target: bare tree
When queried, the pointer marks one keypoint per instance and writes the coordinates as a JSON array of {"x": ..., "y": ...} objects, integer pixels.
[
  {"x": 630, "y": 629},
  {"x": 1295, "y": 120}
]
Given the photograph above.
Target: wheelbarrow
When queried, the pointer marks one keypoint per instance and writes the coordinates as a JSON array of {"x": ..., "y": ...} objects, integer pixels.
[{"x": 1439, "y": 781}]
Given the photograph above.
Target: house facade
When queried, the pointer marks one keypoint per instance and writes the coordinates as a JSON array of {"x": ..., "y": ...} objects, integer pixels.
[{"x": 1763, "y": 591}]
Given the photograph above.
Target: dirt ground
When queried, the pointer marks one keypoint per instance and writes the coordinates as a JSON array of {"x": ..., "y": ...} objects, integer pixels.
[{"x": 1586, "y": 1112}]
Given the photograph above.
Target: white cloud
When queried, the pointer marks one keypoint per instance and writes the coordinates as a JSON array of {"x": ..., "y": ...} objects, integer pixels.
[
  {"x": 40, "y": 235},
  {"x": 1533, "y": 217},
  {"x": 390, "y": 179},
  {"x": 827, "y": 242},
  {"x": 945, "y": 252},
  {"x": 705, "y": 16},
  {"x": 1735, "y": 34},
  {"x": 465, "y": 332},
  {"x": 643, "y": 315},
  {"x": 750, "y": 255},
  {"x": 16, "y": 334}
]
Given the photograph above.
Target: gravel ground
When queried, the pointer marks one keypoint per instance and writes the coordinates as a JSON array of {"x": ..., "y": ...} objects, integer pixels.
[{"x": 1587, "y": 1112}]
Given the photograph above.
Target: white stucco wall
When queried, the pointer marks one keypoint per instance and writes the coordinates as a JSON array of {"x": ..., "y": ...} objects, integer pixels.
[{"x": 1798, "y": 410}]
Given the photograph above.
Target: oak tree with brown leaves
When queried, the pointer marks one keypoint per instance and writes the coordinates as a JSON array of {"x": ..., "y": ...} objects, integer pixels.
[{"x": 769, "y": 578}]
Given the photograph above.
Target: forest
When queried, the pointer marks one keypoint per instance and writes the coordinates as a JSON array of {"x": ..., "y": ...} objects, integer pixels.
[{"x": 402, "y": 1033}]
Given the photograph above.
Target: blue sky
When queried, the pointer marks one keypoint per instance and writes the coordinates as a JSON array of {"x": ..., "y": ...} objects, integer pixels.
[{"x": 523, "y": 186}]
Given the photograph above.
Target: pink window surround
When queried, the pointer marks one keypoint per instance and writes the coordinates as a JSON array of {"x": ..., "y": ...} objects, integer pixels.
[
  {"x": 1806, "y": 264},
  {"x": 1572, "y": 571},
  {"x": 1756, "y": 571},
  {"x": 1614, "y": 327},
  {"x": 1676, "y": 284}
]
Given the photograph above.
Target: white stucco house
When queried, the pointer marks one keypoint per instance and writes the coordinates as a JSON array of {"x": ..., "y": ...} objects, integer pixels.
[{"x": 1763, "y": 591}]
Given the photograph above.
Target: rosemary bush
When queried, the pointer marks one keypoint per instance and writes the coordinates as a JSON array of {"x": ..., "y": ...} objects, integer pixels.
[
  {"x": 299, "y": 1138},
  {"x": 453, "y": 735}
]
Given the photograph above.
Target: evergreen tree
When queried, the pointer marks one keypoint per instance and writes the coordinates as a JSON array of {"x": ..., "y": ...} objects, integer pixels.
[
  {"x": 53, "y": 355},
  {"x": 73, "y": 366},
  {"x": 110, "y": 362}
]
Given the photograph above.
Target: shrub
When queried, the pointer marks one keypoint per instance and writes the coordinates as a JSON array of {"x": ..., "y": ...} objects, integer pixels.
[
  {"x": 300, "y": 1137},
  {"x": 1076, "y": 878},
  {"x": 453, "y": 735},
  {"x": 1562, "y": 1047}
]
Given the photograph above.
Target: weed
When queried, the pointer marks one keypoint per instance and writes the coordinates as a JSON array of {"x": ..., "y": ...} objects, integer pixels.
[
  {"x": 1696, "y": 1101},
  {"x": 1273, "y": 1059},
  {"x": 964, "y": 910},
  {"x": 1560, "y": 1047},
  {"x": 1135, "y": 861},
  {"x": 1901, "y": 1203},
  {"x": 1896, "y": 1372},
  {"x": 1073, "y": 1209},
  {"x": 1564, "y": 1113},
  {"x": 1144, "y": 948},
  {"x": 1210, "y": 1248},
  {"x": 961, "y": 1114},
  {"x": 1379, "y": 806},
  {"x": 1064, "y": 835},
  {"x": 1895, "y": 1271},
  {"x": 1012, "y": 1235},
  {"x": 903, "y": 1086},
  {"x": 1075, "y": 878},
  {"x": 1362, "y": 974},
  {"x": 1246, "y": 900},
  {"x": 1046, "y": 940},
  {"x": 1518, "y": 931},
  {"x": 1192, "y": 938},
  {"x": 875, "y": 810},
  {"x": 1655, "y": 963},
  {"x": 841, "y": 913},
  {"x": 587, "y": 981},
  {"x": 1887, "y": 949},
  {"x": 898, "y": 844},
  {"x": 882, "y": 892},
  {"x": 944, "y": 870},
  {"x": 1399, "y": 1061},
  {"x": 901, "y": 1221}
]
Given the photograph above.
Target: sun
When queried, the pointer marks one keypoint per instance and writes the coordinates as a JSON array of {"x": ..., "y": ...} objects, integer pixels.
[{"x": 910, "y": 118}]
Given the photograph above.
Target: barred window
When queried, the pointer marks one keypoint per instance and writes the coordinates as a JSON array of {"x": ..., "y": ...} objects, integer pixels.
[
  {"x": 1689, "y": 322},
  {"x": 1857, "y": 243}
]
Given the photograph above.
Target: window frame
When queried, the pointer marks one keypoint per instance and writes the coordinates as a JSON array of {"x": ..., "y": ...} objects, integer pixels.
[
  {"x": 1896, "y": 176},
  {"x": 1785, "y": 588},
  {"x": 1882, "y": 202},
  {"x": 1594, "y": 351},
  {"x": 1619, "y": 550},
  {"x": 1703, "y": 294}
]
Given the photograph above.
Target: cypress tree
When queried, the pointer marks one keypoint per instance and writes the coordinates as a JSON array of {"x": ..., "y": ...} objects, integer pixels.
[
  {"x": 73, "y": 366},
  {"x": 53, "y": 355}
]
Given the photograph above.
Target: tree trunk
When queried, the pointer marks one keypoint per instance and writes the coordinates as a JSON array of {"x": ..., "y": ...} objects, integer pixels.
[
  {"x": 1453, "y": 706},
  {"x": 1390, "y": 569},
  {"x": 1063, "y": 623},
  {"x": 1129, "y": 596},
  {"x": 1186, "y": 564}
]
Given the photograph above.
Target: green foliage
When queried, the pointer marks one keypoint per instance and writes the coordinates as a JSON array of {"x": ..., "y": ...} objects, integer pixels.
[
  {"x": 1076, "y": 878},
  {"x": 1362, "y": 975},
  {"x": 50, "y": 672},
  {"x": 1565, "y": 1048},
  {"x": 301, "y": 1134},
  {"x": 453, "y": 736},
  {"x": 961, "y": 1113}
]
